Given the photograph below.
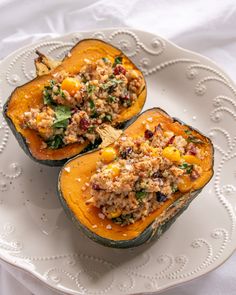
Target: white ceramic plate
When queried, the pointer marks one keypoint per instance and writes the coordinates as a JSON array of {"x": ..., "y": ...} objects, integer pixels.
[{"x": 35, "y": 234}]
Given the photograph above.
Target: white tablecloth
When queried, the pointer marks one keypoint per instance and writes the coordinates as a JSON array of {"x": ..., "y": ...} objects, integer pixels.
[{"x": 205, "y": 26}]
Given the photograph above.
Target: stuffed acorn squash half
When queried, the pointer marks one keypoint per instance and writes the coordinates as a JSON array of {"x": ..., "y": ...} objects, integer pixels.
[
  {"x": 55, "y": 116},
  {"x": 132, "y": 190}
]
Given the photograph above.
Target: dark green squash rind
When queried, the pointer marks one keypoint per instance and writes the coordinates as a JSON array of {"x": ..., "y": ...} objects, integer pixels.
[
  {"x": 22, "y": 141},
  {"x": 152, "y": 232}
]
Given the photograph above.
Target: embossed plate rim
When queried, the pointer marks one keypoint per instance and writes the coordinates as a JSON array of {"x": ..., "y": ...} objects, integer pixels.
[{"x": 229, "y": 253}]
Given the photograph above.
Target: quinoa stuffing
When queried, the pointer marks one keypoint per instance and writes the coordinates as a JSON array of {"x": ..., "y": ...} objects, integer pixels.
[
  {"x": 74, "y": 106},
  {"x": 137, "y": 175}
]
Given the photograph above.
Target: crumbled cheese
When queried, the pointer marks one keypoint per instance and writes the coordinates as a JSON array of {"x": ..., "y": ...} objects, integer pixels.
[
  {"x": 67, "y": 169},
  {"x": 87, "y": 184},
  {"x": 108, "y": 226},
  {"x": 69, "y": 54},
  {"x": 78, "y": 179},
  {"x": 123, "y": 138},
  {"x": 143, "y": 122},
  {"x": 128, "y": 167},
  {"x": 87, "y": 61},
  {"x": 150, "y": 119},
  {"x": 43, "y": 145},
  {"x": 100, "y": 215},
  {"x": 94, "y": 226}
]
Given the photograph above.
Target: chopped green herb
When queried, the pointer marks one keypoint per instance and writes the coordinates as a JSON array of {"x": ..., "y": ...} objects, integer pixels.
[
  {"x": 90, "y": 89},
  {"x": 118, "y": 60},
  {"x": 91, "y": 129},
  {"x": 140, "y": 195},
  {"x": 194, "y": 139},
  {"x": 174, "y": 188},
  {"x": 123, "y": 218},
  {"x": 111, "y": 84},
  {"x": 188, "y": 131},
  {"x": 111, "y": 98},
  {"x": 94, "y": 114},
  {"x": 107, "y": 118},
  {"x": 60, "y": 92},
  {"x": 47, "y": 97},
  {"x": 187, "y": 167},
  {"x": 63, "y": 113},
  {"x": 51, "y": 84},
  {"x": 55, "y": 142},
  {"x": 127, "y": 102},
  {"x": 47, "y": 93},
  {"x": 91, "y": 104},
  {"x": 105, "y": 59},
  {"x": 83, "y": 78}
]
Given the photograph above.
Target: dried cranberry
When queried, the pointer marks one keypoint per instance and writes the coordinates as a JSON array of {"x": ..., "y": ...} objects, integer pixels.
[
  {"x": 127, "y": 151},
  {"x": 160, "y": 197},
  {"x": 125, "y": 97},
  {"x": 192, "y": 150},
  {"x": 148, "y": 134},
  {"x": 119, "y": 70},
  {"x": 96, "y": 187},
  {"x": 171, "y": 140},
  {"x": 194, "y": 175},
  {"x": 84, "y": 124}
]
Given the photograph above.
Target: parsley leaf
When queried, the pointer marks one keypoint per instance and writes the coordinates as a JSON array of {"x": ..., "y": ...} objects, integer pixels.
[
  {"x": 123, "y": 219},
  {"x": 187, "y": 167},
  {"x": 63, "y": 113},
  {"x": 90, "y": 89},
  {"x": 47, "y": 97},
  {"x": 174, "y": 188},
  {"x": 188, "y": 131},
  {"x": 140, "y": 195},
  {"x": 105, "y": 59},
  {"x": 194, "y": 139},
  {"x": 117, "y": 60},
  {"x": 91, "y": 104},
  {"x": 55, "y": 142},
  {"x": 47, "y": 93},
  {"x": 111, "y": 84},
  {"x": 107, "y": 118},
  {"x": 91, "y": 129},
  {"x": 111, "y": 98}
]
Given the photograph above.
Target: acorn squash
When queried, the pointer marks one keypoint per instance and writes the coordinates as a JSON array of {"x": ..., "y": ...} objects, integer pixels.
[
  {"x": 30, "y": 96},
  {"x": 77, "y": 172}
]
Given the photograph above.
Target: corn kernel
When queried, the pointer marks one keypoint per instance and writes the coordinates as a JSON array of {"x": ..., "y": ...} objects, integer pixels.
[
  {"x": 115, "y": 170},
  {"x": 171, "y": 153},
  {"x": 114, "y": 214},
  {"x": 71, "y": 85},
  {"x": 192, "y": 159},
  {"x": 108, "y": 155}
]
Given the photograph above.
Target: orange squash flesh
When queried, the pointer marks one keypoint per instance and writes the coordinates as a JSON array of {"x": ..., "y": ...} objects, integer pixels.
[
  {"x": 30, "y": 95},
  {"x": 78, "y": 171}
]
